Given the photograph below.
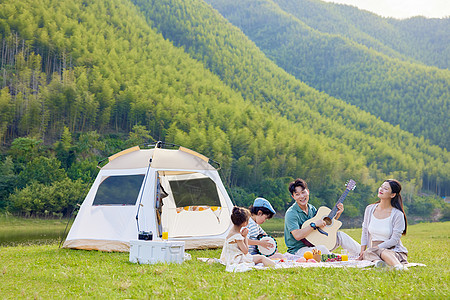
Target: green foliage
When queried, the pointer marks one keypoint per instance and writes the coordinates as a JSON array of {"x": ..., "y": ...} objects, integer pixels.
[
  {"x": 24, "y": 149},
  {"x": 343, "y": 68},
  {"x": 138, "y": 136},
  {"x": 43, "y": 189},
  {"x": 423, "y": 205},
  {"x": 85, "y": 170},
  {"x": 351, "y": 211},
  {"x": 38, "y": 199},
  {"x": 240, "y": 197},
  {"x": 6, "y": 109},
  {"x": 92, "y": 78},
  {"x": 274, "y": 190},
  {"x": 42, "y": 170},
  {"x": 229, "y": 54},
  {"x": 7, "y": 180},
  {"x": 65, "y": 156},
  {"x": 446, "y": 212},
  {"x": 89, "y": 146},
  {"x": 66, "y": 139},
  {"x": 414, "y": 39}
]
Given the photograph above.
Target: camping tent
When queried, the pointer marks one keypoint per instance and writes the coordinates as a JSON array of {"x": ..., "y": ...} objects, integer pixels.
[{"x": 143, "y": 190}]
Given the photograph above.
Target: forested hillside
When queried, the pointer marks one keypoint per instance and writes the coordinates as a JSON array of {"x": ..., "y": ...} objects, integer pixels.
[
  {"x": 414, "y": 39},
  {"x": 229, "y": 53},
  {"x": 414, "y": 96},
  {"x": 85, "y": 79}
]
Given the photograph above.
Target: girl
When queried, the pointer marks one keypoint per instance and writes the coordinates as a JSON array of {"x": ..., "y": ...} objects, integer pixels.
[
  {"x": 235, "y": 249},
  {"x": 384, "y": 224}
]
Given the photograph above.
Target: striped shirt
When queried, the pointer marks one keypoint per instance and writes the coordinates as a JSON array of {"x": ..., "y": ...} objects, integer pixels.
[{"x": 253, "y": 231}]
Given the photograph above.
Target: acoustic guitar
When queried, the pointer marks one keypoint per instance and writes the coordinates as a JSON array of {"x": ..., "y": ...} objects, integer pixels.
[{"x": 327, "y": 235}]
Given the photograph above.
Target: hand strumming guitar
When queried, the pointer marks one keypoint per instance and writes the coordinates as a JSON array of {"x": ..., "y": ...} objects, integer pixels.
[{"x": 320, "y": 223}]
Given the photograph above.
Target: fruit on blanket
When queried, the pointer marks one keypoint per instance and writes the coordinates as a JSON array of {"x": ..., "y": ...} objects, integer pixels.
[
  {"x": 308, "y": 255},
  {"x": 317, "y": 257},
  {"x": 312, "y": 260},
  {"x": 344, "y": 257},
  {"x": 301, "y": 260},
  {"x": 316, "y": 251}
]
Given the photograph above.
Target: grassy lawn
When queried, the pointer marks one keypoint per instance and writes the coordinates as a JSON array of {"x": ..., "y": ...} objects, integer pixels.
[
  {"x": 274, "y": 227},
  {"x": 44, "y": 271}
]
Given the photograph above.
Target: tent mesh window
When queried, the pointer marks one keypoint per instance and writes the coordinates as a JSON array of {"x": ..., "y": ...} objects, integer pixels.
[
  {"x": 193, "y": 192},
  {"x": 119, "y": 190}
]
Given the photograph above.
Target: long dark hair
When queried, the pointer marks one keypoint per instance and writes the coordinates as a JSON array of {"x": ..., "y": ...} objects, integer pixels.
[{"x": 397, "y": 201}]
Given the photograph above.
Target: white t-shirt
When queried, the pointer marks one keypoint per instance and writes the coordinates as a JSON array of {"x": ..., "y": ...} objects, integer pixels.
[{"x": 380, "y": 229}]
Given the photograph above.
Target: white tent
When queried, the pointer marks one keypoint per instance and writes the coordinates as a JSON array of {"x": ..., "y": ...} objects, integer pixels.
[{"x": 148, "y": 190}]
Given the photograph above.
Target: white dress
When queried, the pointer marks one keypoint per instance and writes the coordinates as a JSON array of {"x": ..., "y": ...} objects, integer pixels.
[{"x": 231, "y": 254}]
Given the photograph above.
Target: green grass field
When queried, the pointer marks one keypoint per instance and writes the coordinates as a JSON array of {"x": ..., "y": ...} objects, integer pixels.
[{"x": 44, "y": 271}]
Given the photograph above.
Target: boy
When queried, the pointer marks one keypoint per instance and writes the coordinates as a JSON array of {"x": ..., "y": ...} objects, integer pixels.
[
  {"x": 261, "y": 210},
  {"x": 301, "y": 211}
]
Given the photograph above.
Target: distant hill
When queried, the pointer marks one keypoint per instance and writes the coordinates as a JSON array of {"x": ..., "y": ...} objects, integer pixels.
[
  {"x": 415, "y": 39},
  {"x": 178, "y": 71},
  {"x": 353, "y": 59},
  {"x": 227, "y": 52}
]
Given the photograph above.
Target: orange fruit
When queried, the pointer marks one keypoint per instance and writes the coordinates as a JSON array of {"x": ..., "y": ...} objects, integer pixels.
[{"x": 308, "y": 255}]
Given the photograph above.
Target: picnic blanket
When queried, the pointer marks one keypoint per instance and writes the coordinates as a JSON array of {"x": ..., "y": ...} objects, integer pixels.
[{"x": 290, "y": 262}]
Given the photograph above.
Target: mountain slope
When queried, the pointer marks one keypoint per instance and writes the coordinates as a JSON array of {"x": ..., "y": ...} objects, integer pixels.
[
  {"x": 124, "y": 74},
  {"x": 415, "y": 97},
  {"x": 415, "y": 39},
  {"x": 114, "y": 71},
  {"x": 240, "y": 64}
]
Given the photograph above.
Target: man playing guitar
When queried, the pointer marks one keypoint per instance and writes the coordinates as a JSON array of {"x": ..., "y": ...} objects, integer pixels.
[{"x": 296, "y": 237}]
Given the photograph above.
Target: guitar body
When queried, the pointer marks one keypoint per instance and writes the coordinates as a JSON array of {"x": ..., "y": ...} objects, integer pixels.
[{"x": 317, "y": 238}]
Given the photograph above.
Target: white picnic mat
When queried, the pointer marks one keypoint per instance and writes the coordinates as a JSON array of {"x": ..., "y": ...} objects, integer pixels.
[{"x": 285, "y": 264}]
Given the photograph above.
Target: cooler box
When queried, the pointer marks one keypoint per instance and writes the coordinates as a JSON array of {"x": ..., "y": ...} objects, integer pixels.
[{"x": 152, "y": 252}]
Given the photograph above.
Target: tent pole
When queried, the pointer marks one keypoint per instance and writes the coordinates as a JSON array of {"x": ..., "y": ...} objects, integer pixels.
[{"x": 142, "y": 194}]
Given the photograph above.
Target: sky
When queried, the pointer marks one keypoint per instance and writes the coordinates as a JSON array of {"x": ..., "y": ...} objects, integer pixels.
[{"x": 402, "y": 9}]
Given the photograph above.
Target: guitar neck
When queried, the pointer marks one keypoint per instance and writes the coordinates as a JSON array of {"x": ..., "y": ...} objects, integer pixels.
[{"x": 333, "y": 212}]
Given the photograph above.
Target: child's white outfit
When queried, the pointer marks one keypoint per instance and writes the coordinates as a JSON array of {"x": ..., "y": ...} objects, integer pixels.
[{"x": 231, "y": 254}]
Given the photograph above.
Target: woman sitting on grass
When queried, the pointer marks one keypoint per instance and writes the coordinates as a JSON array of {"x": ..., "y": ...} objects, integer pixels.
[
  {"x": 383, "y": 226},
  {"x": 235, "y": 249}
]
